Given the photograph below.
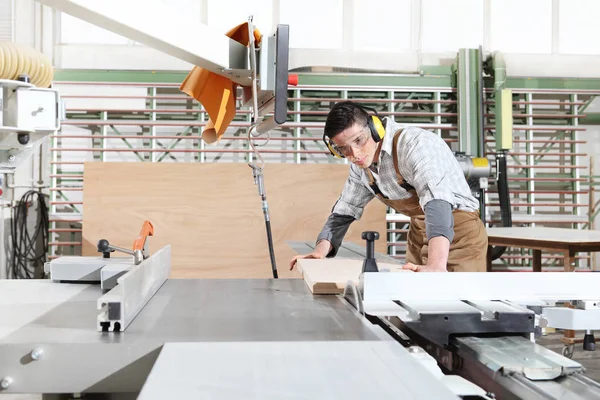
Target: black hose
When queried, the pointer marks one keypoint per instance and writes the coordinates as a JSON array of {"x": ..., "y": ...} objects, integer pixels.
[
  {"x": 503, "y": 194},
  {"x": 271, "y": 250},
  {"x": 29, "y": 239}
]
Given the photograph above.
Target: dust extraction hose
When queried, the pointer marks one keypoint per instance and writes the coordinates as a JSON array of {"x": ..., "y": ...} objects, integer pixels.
[
  {"x": 17, "y": 59},
  {"x": 503, "y": 195}
]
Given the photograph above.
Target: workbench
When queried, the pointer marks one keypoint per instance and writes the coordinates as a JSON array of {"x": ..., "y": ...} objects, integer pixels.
[{"x": 567, "y": 241}]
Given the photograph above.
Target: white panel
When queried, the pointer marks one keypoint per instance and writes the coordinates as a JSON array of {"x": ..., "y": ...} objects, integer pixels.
[
  {"x": 82, "y": 97},
  {"x": 315, "y": 24},
  {"x": 74, "y": 30},
  {"x": 226, "y": 14},
  {"x": 82, "y": 56},
  {"x": 375, "y": 30},
  {"x": 191, "y": 8},
  {"x": 519, "y": 26},
  {"x": 451, "y": 25},
  {"x": 519, "y": 287},
  {"x": 578, "y": 27},
  {"x": 6, "y": 20}
]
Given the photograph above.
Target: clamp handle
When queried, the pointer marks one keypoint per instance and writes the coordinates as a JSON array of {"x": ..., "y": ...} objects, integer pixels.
[
  {"x": 140, "y": 242},
  {"x": 139, "y": 250}
]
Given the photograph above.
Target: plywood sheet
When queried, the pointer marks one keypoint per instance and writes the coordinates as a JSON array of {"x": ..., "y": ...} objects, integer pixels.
[
  {"x": 211, "y": 213},
  {"x": 330, "y": 275}
]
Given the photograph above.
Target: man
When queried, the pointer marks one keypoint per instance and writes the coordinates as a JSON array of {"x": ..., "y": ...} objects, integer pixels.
[{"x": 414, "y": 172}]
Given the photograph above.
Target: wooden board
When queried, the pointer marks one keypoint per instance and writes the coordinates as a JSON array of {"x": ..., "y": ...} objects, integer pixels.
[
  {"x": 211, "y": 213},
  {"x": 330, "y": 275}
]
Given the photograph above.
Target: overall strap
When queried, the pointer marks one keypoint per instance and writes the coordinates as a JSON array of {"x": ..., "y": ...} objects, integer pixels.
[{"x": 373, "y": 184}]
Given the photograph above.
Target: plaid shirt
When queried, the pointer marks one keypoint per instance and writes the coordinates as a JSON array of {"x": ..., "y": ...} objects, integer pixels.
[{"x": 424, "y": 160}]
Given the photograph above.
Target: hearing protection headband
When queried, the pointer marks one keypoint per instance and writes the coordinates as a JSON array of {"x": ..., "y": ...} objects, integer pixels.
[{"x": 375, "y": 127}]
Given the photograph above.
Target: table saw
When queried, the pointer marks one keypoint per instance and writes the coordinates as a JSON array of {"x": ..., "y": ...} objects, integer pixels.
[
  {"x": 389, "y": 335},
  {"x": 120, "y": 328}
]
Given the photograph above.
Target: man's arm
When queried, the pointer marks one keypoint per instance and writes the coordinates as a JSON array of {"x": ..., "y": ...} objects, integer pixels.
[
  {"x": 347, "y": 209},
  {"x": 439, "y": 225},
  {"x": 333, "y": 233},
  {"x": 426, "y": 162}
]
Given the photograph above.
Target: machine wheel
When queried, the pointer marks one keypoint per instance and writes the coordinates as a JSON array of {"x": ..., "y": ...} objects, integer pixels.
[{"x": 567, "y": 350}]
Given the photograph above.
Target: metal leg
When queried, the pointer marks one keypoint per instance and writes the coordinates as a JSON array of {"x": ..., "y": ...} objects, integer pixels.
[
  {"x": 569, "y": 340},
  {"x": 569, "y": 260},
  {"x": 537, "y": 260}
]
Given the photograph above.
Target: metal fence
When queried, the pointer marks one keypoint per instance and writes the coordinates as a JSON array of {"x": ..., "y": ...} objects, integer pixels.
[{"x": 152, "y": 122}]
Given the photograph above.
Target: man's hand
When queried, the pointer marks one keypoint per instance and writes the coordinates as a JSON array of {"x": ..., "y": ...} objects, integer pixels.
[
  {"x": 437, "y": 257},
  {"x": 314, "y": 254},
  {"x": 321, "y": 251},
  {"x": 424, "y": 268}
]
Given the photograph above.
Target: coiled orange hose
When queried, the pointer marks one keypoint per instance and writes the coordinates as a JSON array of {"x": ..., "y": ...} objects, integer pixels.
[{"x": 17, "y": 59}]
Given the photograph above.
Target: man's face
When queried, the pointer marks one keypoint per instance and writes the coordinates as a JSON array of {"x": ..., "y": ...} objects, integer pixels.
[{"x": 356, "y": 144}]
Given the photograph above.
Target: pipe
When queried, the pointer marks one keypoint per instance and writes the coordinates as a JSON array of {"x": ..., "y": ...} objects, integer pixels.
[
  {"x": 17, "y": 59},
  {"x": 481, "y": 122},
  {"x": 503, "y": 195},
  {"x": 11, "y": 185},
  {"x": 498, "y": 67}
]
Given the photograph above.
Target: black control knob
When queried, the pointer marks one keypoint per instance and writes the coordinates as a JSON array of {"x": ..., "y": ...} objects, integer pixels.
[
  {"x": 104, "y": 248},
  {"x": 370, "y": 264},
  {"x": 23, "y": 138}
]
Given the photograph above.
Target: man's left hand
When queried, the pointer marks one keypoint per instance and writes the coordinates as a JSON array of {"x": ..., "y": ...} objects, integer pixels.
[{"x": 423, "y": 268}]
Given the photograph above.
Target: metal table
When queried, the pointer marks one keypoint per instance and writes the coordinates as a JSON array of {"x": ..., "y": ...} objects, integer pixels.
[
  {"x": 208, "y": 317},
  {"x": 567, "y": 241}
]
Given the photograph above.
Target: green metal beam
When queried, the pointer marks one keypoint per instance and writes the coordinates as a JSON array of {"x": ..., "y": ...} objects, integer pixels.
[
  {"x": 431, "y": 77},
  {"x": 375, "y": 80},
  {"x": 87, "y": 75},
  {"x": 590, "y": 119},
  {"x": 553, "y": 83}
]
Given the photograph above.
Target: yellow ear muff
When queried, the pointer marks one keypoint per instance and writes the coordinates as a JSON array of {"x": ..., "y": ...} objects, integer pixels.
[{"x": 379, "y": 129}]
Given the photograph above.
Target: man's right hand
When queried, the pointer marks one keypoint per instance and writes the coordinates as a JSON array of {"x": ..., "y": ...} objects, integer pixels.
[
  {"x": 314, "y": 254},
  {"x": 321, "y": 251}
]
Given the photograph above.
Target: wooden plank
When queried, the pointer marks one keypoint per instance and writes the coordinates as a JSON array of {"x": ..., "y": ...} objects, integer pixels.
[
  {"x": 211, "y": 215},
  {"x": 330, "y": 275}
]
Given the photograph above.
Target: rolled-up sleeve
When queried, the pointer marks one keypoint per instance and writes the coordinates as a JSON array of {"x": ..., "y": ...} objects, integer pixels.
[
  {"x": 348, "y": 208},
  {"x": 334, "y": 231}
]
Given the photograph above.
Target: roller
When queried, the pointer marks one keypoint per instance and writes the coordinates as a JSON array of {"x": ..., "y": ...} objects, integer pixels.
[{"x": 17, "y": 59}]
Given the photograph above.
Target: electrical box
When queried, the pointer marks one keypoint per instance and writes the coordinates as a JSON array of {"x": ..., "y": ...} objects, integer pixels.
[
  {"x": 504, "y": 117},
  {"x": 27, "y": 115},
  {"x": 35, "y": 110}
]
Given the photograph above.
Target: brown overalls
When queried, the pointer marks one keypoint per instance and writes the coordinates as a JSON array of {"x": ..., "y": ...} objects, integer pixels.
[{"x": 468, "y": 250}]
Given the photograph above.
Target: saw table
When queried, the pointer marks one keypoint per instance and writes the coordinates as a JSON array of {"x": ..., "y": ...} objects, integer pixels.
[
  {"x": 270, "y": 339},
  {"x": 388, "y": 335}
]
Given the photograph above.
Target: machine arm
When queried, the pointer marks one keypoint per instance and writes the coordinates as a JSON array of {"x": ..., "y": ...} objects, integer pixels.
[{"x": 156, "y": 25}]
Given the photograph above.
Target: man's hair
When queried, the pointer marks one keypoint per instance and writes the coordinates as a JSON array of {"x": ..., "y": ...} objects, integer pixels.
[{"x": 342, "y": 116}]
